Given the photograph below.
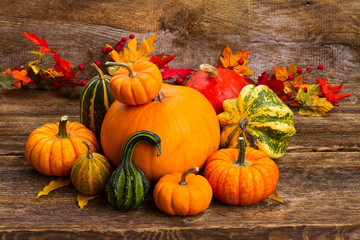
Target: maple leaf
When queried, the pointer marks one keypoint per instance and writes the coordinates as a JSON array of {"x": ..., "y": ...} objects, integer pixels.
[
  {"x": 329, "y": 91},
  {"x": 131, "y": 54},
  {"x": 274, "y": 84},
  {"x": 311, "y": 103},
  {"x": 180, "y": 72},
  {"x": 231, "y": 60},
  {"x": 160, "y": 61},
  {"x": 42, "y": 42},
  {"x": 20, "y": 75},
  {"x": 283, "y": 74},
  {"x": 64, "y": 67},
  {"x": 53, "y": 185}
]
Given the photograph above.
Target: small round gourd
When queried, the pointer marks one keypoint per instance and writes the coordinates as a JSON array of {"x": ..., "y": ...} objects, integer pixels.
[
  {"x": 90, "y": 172},
  {"x": 128, "y": 185},
  {"x": 52, "y": 148},
  {"x": 95, "y": 99},
  {"x": 241, "y": 176},
  {"x": 135, "y": 83},
  {"x": 183, "y": 194}
]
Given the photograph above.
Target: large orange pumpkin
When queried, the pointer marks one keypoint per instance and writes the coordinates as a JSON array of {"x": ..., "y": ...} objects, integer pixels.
[{"x": 183, "y": 118}]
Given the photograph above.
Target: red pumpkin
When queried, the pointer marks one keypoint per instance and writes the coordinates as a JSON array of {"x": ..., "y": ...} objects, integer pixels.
[
  {"x": 217, "y": 84},
  {"x": 184, "y": 120}
]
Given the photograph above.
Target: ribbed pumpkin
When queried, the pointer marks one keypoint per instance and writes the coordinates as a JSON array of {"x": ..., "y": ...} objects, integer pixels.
[
  {"x": 128, "y": 185},
  {"x": 135, "y": 83},
  {"x": 217, "y": 84},
  {"x": 183, "y": 194},
  {"x": 259, "y": 116},
  {"x": 53, "y": 148},
  {"x": 95, "y": 99},
  {"x": 241, "y": 176},
  {"x": 90, "y": 172},
  {"x": 182, "y": 117}
]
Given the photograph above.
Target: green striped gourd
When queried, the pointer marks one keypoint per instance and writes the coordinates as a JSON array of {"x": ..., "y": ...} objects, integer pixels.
[
  {"x": 261, "y": 118},
  {"x": 90, "y": 172},
  {"x": 128, "y": 185},
  {"x": 95, "y": 99}
]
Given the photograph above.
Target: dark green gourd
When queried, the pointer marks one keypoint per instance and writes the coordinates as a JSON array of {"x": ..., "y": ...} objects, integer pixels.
[
  {"x": 128, "y": 185},
  {"x": 95, "y": 99}
]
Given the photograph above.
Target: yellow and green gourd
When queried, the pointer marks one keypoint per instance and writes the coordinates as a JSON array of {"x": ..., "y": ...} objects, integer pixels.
[
  {"x": 259, "y": 116},
  {"x": 128, "y": 185},
  {"x": 95, "y": 99},
  {"x": 90, "y": 172}
]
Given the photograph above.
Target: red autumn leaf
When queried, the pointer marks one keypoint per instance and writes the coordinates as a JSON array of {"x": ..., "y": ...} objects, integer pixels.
[
  {"x": 275, "y": 85},
  {"x": 42, "y": 42},
  {"x": 329, "y": 91},
  {"x": 160, "y": 61},
  {"x": 180, "y": 72},
  {"x": 64, "y": 67}
]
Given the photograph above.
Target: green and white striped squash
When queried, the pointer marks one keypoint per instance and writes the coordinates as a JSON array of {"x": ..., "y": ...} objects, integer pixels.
[
  {"x": 261, "y": 118},
  {"x": 128, "y": 185},
  {"x": 95, "y": 99},
  {"x": 90, "y": 172}
]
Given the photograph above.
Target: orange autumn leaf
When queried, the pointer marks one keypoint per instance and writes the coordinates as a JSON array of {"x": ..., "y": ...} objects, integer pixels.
[
  {"x": 229, "y": 59},
  {"x": 284, "y": 74},
  {"x": 329, "y": 91},
  {"x": 21, "y": 76}
]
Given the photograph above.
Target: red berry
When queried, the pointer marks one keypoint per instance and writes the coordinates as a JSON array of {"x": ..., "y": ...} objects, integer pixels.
[
  {"x": 98, "y": 63},
  {"x": 104, "y": 51},
  {"x": 305, "y": 89},
  {"x": 83, "y": 83},
  {"x": 31, "y": 81},
  {"x": 308, "y": 69},
  {"x": 320, "y": 67},
  {"x": 291, "y": 77},
  {"x": 297, "y": 88},
  {"x": 18, "y": 68},
  {"x": 131, "y": 36},
  {"x": 81, "y": 67},
  {"x": 219, "y": 66},
  {"x": 289, "y": 94},
  {"x": 241, "y": 62},
  {"x": 230, "y": 67},
  {"x": 299, "y": 70},
  {"x": 117, "y": 48},
  {"x": 121, "y": 44},
  {"x": 123, "y": 39},
  {"x": 179, "y": 81},
  {"x": 108, "y": 49}
]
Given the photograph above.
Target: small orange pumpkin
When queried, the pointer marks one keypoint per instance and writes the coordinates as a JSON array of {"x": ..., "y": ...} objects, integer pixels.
[
  {"x": 135, "y": 83},
  {"x": 241, "y": 176},
  {"x": 183, "y": 194},
  {"x": 53, "y": 148}
]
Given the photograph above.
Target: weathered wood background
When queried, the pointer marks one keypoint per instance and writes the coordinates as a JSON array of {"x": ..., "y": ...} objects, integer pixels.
[{"x": 319, "y": 175}]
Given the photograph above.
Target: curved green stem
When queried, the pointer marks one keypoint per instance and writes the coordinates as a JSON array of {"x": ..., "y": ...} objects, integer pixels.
[
  {"x": 62, "y": 128},
  {"x": 243, "y": 123},
  {"x": 135, "y": 139},
  {"x": 101, "y": 74},
  {"x": 89, "y": 154},
  {"x": 183, "y": 176},
  {"x": 240, "y": 162},
  {"x": 131, "y": 71}
]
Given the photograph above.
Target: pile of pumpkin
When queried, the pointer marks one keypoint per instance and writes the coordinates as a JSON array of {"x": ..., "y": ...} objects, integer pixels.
[{"x": 157, "y": 135}]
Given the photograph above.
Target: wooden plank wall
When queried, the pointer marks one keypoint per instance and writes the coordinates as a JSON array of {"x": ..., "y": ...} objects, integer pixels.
[{"x": 278, "y": 32}]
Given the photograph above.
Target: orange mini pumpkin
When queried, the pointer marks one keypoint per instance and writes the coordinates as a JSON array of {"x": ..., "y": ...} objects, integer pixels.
[
  {"x": 241, "y": 176},
  {"x": 53, "y": 148},
  {"x": 183, "y": 194},
  {"x": 135, "y": 83}
]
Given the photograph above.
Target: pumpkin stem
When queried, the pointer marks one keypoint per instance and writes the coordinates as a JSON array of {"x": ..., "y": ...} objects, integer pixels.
[
  {"x": 183, "y": 176},
  {"x": 210, "y": 70},
  {"x": 131, "y": 71},
  {"x": 241, "y": 158},
  {"x": 135, "y": 139},
  {"x": 160, "y": 97},
  {"x": 62, "y": 128},
  {"x": 89, "y": 154},
  {"x": 243, "y": 123},
  {"x": 101, "y": 74}
]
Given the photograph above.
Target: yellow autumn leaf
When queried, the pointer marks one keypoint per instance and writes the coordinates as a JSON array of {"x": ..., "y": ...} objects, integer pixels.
[
  {"x": 229, "y": 59},
  {"x": 283, "y": 75},
  {"x": 84, "y": 199},
  {"x": 53, "y": 185},
  {"x": 274, "y": 196}
]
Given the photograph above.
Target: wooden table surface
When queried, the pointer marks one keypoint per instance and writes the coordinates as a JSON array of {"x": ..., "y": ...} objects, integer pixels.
[{"x": 319, "y": 183}]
